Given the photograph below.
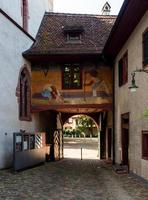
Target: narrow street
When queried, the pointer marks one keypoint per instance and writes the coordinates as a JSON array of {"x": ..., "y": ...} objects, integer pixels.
[{"x": 71, "y": 179}]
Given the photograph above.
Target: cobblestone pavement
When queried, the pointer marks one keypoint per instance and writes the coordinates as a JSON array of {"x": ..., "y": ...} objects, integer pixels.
[{"x": 71, "y": 179}]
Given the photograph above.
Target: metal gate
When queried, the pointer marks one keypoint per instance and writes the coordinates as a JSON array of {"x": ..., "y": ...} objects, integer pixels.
[{"x": 58, "y": 144}]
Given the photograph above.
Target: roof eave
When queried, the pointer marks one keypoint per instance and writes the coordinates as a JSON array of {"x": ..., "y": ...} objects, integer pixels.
[
  {"x": 126, "y": 14},
  {"x": 61, "y": 57}
]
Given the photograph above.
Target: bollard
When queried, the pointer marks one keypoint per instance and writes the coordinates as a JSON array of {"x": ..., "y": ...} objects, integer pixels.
[{"x": 81, "y": 153}]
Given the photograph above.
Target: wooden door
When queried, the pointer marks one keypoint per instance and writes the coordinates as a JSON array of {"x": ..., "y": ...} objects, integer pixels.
[
  {"x": 125, "y": 138},
  {"x": 109, "y": 142},
  {"x": 125, "y": 141}
]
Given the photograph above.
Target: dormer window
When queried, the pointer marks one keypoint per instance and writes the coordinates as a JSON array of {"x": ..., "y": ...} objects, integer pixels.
[{"x": 73, "y": 34}]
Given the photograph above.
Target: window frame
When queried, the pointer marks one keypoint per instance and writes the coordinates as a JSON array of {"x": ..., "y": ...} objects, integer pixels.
[
  {"x": 143, "y": 41},
  {"x": 144, "y": 149},
  {"x": 69, "y": 37},
  {"x": 73, "y": 87},
  {"x": 123, "y": 70}
]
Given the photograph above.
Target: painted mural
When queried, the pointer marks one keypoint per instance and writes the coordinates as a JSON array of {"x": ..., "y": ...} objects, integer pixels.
[{"x": 96, "y": 87}]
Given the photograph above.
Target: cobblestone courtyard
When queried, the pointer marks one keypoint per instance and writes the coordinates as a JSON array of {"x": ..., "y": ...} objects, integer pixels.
[{"x": 71, "y": 179}]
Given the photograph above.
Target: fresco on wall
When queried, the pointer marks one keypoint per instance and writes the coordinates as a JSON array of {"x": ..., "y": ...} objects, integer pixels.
[
  {"x": 96, "y": 88},
  {"x": 53, "y": 95},
  {"x": 95, "y": 80}
]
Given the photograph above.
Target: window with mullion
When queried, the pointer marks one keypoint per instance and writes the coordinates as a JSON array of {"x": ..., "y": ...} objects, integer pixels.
[{"x": 71, "y": 77}]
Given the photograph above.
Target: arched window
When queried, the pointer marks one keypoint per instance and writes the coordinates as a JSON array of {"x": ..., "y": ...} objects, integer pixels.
[
  {"x": 25, "y": 92},
  {"x": 145, "y": 48},
  {"x": 25, "y": 14}
]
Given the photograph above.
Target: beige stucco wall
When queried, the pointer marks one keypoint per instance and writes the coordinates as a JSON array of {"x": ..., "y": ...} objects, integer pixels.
[{"x": 134, "y": 103}]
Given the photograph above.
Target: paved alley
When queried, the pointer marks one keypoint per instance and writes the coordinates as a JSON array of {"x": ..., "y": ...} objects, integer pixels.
[{"x": 71, "y": 179}]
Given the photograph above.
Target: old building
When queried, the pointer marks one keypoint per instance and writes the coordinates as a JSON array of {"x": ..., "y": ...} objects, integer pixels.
[
  {"x": 130, "y": 54},
  {"x": 19, "y": 22},
  {"x": 69, "y": 74},
  {"x": 77, "y": 64}
]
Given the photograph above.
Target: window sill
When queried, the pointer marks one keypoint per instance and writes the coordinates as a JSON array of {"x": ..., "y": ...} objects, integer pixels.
[
  {"x": 73, "y": 42},
  {"x": 72, "y": 88}
]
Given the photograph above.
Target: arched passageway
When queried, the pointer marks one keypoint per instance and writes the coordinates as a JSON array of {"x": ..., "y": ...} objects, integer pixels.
[
  {"x": 53, "y": 123},
  {"x": 81, "y": 137}
]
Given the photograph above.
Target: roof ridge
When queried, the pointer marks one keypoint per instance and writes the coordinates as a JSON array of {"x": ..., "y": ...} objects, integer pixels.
[{"x": 81, "y": 14}]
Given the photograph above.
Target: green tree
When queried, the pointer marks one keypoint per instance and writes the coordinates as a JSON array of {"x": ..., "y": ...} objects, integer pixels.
[{"x": 85, "y": 124}]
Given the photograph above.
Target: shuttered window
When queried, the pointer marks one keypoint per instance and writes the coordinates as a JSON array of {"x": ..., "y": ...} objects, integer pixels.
[
  {"x": 123, "y": 70},
  {"x": 145, "y": 48}
]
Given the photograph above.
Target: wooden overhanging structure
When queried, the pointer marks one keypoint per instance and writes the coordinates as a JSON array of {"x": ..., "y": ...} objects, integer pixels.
[{"x": 51, "y": 47}]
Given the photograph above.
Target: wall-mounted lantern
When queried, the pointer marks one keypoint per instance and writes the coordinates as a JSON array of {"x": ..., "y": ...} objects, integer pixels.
[{"x": 133, "y": 86}]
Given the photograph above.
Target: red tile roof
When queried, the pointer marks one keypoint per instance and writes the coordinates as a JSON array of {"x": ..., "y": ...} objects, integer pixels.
[{"x": 51, "y": 40}]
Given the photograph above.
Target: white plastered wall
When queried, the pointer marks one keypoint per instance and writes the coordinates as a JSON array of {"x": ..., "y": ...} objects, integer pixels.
[
  {"x": 12, "y": 43},
  {"x": 134, "y": 103},
  {"x": 13, "y": 9},
  {"x": 37, "y": 9}
]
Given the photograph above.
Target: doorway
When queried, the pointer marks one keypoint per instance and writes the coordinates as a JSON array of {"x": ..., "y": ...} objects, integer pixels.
[
  {"x": 125, "y": 138},
  {"x": 109, "y": 141}
]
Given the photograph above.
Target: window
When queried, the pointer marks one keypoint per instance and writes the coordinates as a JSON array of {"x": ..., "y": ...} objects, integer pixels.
[
  {"x": 73, "y": 36},
  {"x": 25, "y": 14},
  {"x": 71, "y": 78},
  {"x": 24, "y": 103},
  {"x": 123, "y": 69},
  {"x": 145, "y": 145},
  {"x": 145, "y": 48},
  {"x": 73, "y": 33}
]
